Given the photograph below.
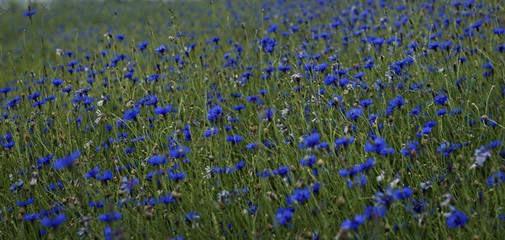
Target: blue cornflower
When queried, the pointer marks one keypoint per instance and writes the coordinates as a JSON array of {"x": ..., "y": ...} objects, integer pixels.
[
  {"x": 211, "y": 131},
  {"x": 343, "y": 82},
  {"x": 29, "y": 13},
  {"x": 379, "y": 146},
  {"x": 128, "y": 185},
  {"x": 282, "y": 170},
  {"x": 433, "y": 45},
  {"x": 384, "y": 198},
  {"x": 329, "y": 80},
  {"x": 66, "y": 161},
  {"x": 354, "y": 113},
  {"x": 446, "y": 148},
  {"x": 253, "y": 98},
  {"x": 441, "y": 99},
  {"x": 54, "y": 222},
  {"x": 316, "y": 187},
  {"x": 405, "y": 193},
  {"x": 456, "y": 219},
  {"x": 31, "y": 216},
  {"x": 349, "y": 225},
  {"x": 57, "y": 82},
  {"x": 234, "y": 139},
  {"x": 191, "y": 216},
  {"x": 16, "y": 186},
  {"x": 495, "y": 179},
  {"x": 120, "y": 37},
  {"x": 9, "y": 144},
  {"x": 360, "y": 179},
  {"x": 365, "y": 103},
  {"x": 238, "y": 107},
  {"x": 214, "y": 113},
  {"x": 359, "y": 75},
  {"x": 253, "y": 209},
  {"x": 301, "y": 195},
  {"x": 176, "y": 176},
  {"x": 161, "y": 49},
  {"x": 441, "y": 112},
  {"x": 216, "y": 40},
  {"x": 251, "y": 146},
  {"x": 499, "y": 30},
  {"x": 481, "y": 155},
  {"x": 344, "y": 141},
  {"x": 417, "y": 206},
  {"x": 142, "y": 46},
  {"x": 167, "y": 199},
  {"x": 92, "y": 173},
  {"x": 157, "y": 160},
  {"x": 308, "y": 161},
  {"x": 379, "y": 211},
  {"x": 269, "y": 144},
  {"x": 284, "y": 215},
  {"x": 163, "y": 110},
  {"x": 110, "y": 217},
  {"x": 477, "y": 25},
  {"x": 28, "y": 202},
  {"x": 397, "y": 102},
  {"x": 312, "y": 140},
  {"x": 107, "y": 175},
  {"x": 269, "y": 113},
  {"x": 131, "y": 114}
]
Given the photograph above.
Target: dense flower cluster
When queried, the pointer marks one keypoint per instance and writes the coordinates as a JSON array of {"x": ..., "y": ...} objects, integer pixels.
[{"x": 305, "y": 119}]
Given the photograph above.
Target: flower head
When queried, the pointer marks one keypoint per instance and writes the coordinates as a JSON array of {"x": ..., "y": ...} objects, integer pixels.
[
  {"x": 312, "y": 140},
  {"x": 456, "y": 219},
  {"x": 29, "y": 13},
  {"x": 110, "y": 217},
  {"x": 128, "y": 185},
  {"x": 66, "y": 161},
  {"x": 53, "y": 222},
  {"x": 284, "y": 215}
]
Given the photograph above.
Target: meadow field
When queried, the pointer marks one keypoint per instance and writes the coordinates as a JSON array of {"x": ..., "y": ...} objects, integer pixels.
[{"x": 255, "y": 119}]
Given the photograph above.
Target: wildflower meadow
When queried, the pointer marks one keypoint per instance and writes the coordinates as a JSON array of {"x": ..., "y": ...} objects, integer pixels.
[{"x": 254, "y": 119}]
